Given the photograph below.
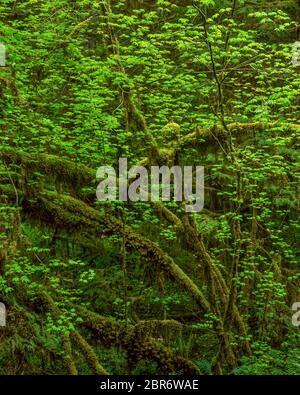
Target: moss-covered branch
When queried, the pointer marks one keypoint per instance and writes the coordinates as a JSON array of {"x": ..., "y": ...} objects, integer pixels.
[
  {"x": 89, "y": 353},
  {"x": 75, "y": 216},
  {"x": 240, "y": 131},
  {"x": 137, "y": 348}
]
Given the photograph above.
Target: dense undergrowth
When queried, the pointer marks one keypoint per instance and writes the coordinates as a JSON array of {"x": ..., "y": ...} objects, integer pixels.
[{"x": 145, "y": 288}]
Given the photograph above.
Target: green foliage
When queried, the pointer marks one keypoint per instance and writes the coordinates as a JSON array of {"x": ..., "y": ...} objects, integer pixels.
[{"x": 198, "y": 83}]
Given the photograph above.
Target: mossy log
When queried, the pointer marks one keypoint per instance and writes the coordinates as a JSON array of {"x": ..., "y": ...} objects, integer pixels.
[
  {"x": 242, "y": 132},
  {"x": 75, "y": 216},
  {"x": 137, "y": 348},
  {"x": 50, "y": 305},
  {"x": 59, "y": 169},
  {"x": 89, "y": 353}
]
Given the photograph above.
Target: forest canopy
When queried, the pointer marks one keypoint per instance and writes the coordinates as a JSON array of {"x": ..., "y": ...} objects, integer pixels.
[{"x": 145, "y": 287}]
